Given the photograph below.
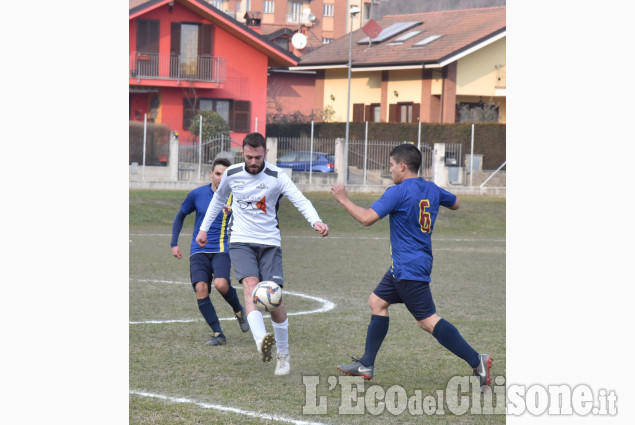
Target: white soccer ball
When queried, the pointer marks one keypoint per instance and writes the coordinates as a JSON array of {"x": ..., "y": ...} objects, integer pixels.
[{"x": 267, "y": 295}]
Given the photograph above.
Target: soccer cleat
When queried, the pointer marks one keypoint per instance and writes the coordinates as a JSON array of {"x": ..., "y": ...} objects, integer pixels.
[
  {"x": 483, "y": 370},
  {"x": 357, "y": 369},
  {"x": 264, "y": 348},
  {"x": 217, "y": 339},
  {"x": 283, "y": 367},
  {"x": 242, "y": 320}
]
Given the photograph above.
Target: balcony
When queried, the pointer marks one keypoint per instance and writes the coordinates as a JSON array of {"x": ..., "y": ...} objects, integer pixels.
[{"x": 155, "y": 66}]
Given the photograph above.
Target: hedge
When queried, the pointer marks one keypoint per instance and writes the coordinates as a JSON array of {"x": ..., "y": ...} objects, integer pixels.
[{"x": 157, "y": 140}]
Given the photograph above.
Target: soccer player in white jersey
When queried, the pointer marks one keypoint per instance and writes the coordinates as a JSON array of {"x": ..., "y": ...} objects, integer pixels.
[{"x": 254, "y": 245}]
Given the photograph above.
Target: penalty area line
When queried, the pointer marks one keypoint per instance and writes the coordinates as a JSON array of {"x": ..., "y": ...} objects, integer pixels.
[{"x": 213, "y": 406}]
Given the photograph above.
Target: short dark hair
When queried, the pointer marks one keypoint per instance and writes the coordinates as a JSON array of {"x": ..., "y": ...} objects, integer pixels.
[
  {"x": 221, "y": 161},
  {"x": 409, "y": 155},
  {"x": 254, "y": 140}
]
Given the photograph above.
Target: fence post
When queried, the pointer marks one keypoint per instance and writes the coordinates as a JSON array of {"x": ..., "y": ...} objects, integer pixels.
[
  {"x": 311, "y": 157},
  {"x": 272, "y": 150},
  {"x": 365, "y": 151},
  {"x": 340, "y": 161},
  {"x": 419, "y": 146},
  {"x": 200, "y": 144},
  {"x": 173, "y": 156},
  {"x": 440, "y": 174},
  {"x": 472, "y": 156},
  {"x": 145, "y": 132}
]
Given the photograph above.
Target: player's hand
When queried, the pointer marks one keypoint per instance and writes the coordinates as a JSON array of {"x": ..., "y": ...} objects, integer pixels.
[
  {"x": 321, "y": 227},
  {"x": 201, "y": 238},
  {"x": 176, "y": 251},
  {"x": 339, "y": 192}
]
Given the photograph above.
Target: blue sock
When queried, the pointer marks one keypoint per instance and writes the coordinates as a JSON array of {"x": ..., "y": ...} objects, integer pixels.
[
  {"x": 450, "y": 338},
  {"x": 377, "y": 330},
  {"x": 232, "y": 299},
  {"x": 209, "y": 313}
]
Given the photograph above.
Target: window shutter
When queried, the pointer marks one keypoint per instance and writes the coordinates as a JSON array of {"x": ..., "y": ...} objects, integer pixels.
[
  {"x": 358, "y": 112},
  {"x": 205, "y": 39},
  {"x": 148, "y": 36},
  {"x": 415, "y": 112},
  {"x": 392, "y": 113},
  {"x": 368, "y": 113},
  {"x": 241, "y": 116},
  {"x": 175, "y": 38},
  {"x": 189, "y": 110}
]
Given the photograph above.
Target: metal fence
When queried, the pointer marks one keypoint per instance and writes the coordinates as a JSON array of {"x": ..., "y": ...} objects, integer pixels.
[
  {"x": 195, "y": 159},
  {"x": 368, "y": 160}
]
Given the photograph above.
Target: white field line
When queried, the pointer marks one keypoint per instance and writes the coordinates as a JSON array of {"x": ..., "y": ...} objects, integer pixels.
[
  {"x": 258, "y": 415},
  {"x": 326, "y": 305}
]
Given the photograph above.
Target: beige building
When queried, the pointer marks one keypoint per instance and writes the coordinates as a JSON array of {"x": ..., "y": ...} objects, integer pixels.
[{"x": 430, "y": 67}]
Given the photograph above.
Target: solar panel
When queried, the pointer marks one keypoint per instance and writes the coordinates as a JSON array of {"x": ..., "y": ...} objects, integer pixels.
[
  {"x": 426, "y": 40},
  {"x": 390, "y": 31},
  {"x": 407, "y": 35}
]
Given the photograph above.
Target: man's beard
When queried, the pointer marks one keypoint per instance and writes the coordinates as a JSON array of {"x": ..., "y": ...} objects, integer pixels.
[{"x": 250, "y": 171}]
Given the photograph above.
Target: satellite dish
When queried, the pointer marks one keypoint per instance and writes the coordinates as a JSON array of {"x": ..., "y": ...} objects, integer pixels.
[
  {"x": 311, "y": 17},
  {"x": 298, "y": 40}
]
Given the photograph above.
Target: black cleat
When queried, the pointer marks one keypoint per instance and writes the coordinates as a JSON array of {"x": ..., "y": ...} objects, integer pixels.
[{"x": 217, "y": 339}]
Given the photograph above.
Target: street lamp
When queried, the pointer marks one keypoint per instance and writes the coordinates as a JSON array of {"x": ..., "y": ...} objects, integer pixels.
[{"x": 354, "y": 10}]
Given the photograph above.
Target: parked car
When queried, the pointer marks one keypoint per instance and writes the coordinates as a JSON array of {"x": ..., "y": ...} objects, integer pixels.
[{"x": 303, "y": 160}]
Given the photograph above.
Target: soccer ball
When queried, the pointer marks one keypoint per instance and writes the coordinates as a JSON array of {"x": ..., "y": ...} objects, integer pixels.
[{"x": 267, "y": 295}]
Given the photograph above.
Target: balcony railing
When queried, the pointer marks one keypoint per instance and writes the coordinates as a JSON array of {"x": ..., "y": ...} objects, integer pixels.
[{"x": 173, "y": 67}]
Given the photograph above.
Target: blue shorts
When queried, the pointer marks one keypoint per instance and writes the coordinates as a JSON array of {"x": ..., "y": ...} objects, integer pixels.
[
  {"x": 207, "y": 266},
  {"x": 262, "y": 261},
  {"x": 414, "y": 294}
]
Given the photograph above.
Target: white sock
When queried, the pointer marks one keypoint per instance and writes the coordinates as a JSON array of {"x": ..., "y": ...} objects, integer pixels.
[
  {"x": 257, "y": 325},
  {"x": 281, "y": 332}
]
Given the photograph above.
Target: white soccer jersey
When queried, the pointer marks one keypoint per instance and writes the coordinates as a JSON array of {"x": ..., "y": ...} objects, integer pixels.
[{"x": 255, "y": 203}]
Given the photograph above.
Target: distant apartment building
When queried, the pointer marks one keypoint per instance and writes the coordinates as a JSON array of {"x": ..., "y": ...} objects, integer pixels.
[{"x": 318, "y": 21}]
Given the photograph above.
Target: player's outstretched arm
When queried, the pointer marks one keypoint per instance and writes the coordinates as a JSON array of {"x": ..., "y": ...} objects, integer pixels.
[{"x": 366, "y": 216}]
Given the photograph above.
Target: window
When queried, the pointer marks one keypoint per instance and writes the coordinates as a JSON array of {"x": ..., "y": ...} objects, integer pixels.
[
  {"x": 403, "y": 112},
  {"x": 294, "y": 11},
  {"x": 269, "y": 7},
  {"x": 235, "y": 112},
  {"x": 375, "y": 115},
  {"x": 218, "y": 4},
  {"x": 363, "y": 112},
  {"x": 191, "y": 50},
  {"x": 282, "y": 42},
  {"x": 327, "y": 10}
]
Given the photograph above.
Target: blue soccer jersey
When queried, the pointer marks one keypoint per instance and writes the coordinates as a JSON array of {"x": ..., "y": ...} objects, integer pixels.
[
  {"x": 218, "y": 234},
  {"x": 413, "y": 206}
]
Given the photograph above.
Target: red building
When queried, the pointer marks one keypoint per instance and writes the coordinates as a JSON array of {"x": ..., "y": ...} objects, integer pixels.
[{"x": 187, "y": 56}]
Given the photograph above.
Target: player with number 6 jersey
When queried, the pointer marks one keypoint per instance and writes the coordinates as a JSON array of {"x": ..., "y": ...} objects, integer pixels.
[{"x": 412, "y": 204}]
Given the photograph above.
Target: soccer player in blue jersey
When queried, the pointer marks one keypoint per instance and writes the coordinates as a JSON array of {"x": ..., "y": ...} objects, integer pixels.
[
  {"x": 412, "y": 204},
  {"x": 210, "y": 261}
]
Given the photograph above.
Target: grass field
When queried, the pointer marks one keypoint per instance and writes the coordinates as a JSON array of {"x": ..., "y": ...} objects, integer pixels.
[{"x": 174, "y": 378}]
